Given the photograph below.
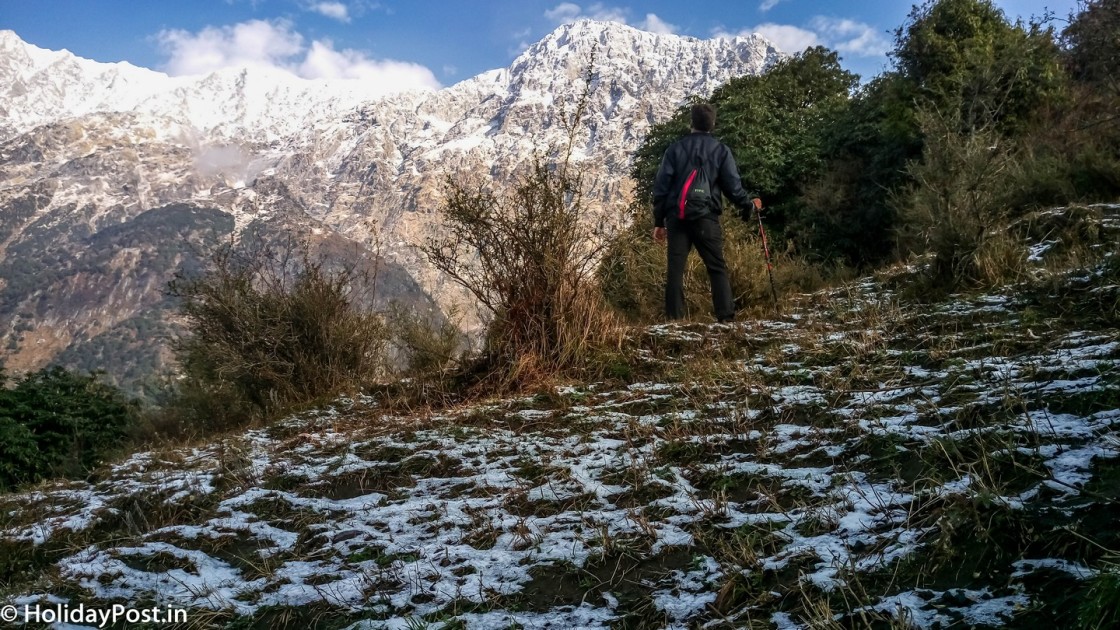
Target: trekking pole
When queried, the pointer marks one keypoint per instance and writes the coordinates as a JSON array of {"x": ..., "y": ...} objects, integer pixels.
[{"x": 766, "y": 252}]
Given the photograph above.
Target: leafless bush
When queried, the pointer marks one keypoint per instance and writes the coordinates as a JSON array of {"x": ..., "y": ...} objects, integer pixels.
[
  {"x": 270, "y": 330},
  {"x": 527, "y": 252}
]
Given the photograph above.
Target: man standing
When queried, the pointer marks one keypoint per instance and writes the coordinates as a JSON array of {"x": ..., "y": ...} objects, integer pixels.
[{"x": 698, "y": 151}]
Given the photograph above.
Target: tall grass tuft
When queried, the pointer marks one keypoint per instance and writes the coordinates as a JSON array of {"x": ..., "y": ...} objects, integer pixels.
[{"x": 633, "y": 272}]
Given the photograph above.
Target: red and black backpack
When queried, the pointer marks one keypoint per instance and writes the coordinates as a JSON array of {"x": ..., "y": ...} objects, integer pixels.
[{"x": 695, "y": 197}]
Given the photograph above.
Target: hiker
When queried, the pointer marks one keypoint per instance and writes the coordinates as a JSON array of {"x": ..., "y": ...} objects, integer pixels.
[{"x": 688, "y": 216}]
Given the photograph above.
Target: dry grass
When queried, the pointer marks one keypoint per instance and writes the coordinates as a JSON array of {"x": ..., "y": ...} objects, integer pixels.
[{"x": 633, "y": 276}]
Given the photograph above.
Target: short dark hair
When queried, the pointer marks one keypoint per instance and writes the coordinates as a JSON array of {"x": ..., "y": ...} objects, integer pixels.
[{"x": 703, "y": 117}]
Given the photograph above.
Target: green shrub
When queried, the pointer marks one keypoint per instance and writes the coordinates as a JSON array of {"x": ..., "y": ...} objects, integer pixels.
[
  {"x": 969, "y": 63},
  {"x": 779, "y": 127},
  {"x": 1073, "y": 154},
  {"x": 1101, "y": 607},
  {"x": 56, "y": 423},
  {"x": 1092, "y": 48},
  {"x": 958, "y": 206}
]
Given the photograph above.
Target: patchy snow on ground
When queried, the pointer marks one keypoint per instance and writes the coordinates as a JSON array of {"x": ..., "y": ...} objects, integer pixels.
[{"x": 827, "y": 466}]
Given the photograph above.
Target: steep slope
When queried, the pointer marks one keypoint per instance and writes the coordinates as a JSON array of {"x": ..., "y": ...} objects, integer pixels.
[{"x": 87, "y": 146}]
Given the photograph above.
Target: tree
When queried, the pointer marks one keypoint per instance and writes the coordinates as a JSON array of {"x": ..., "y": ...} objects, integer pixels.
[
  {"x": 1092, "y": 43},
  {"x": 775, "y": 123},
  {"x": 964, "y": 54},
  {"x": 846, "y": 213}
]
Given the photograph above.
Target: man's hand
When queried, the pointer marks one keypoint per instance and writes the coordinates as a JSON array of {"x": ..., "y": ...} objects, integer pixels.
[
  {"x": 748, "y": 213},
  {"x": 659, "y": 235}
]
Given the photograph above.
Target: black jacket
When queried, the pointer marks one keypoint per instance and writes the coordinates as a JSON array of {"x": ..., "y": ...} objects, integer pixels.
[{"x": 724, "y": 176}]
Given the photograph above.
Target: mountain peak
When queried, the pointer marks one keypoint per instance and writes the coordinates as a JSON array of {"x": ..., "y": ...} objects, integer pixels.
[
  {"x": 9, "y": 37},
  {"x": 595, "y": 27},
  {"x": 587, "y": 31},
  {"x": 615, "y": 38}
]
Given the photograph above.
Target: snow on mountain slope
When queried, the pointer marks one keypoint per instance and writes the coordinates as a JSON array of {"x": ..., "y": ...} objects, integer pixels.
[{"x": 258, "y": 103}]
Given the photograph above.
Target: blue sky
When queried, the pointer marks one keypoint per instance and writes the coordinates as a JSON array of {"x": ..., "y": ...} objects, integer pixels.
[{"x": 432, "y": 43}]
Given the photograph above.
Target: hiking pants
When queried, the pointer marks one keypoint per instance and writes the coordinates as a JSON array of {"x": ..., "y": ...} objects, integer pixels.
[{"x": 706, "y": 235}]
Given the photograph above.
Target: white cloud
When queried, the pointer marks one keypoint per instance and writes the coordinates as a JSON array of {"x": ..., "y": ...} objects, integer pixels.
[
  {"x": 785, "y": 38},
  {"x": 322, "y": 61},
  {"x": 851, "y": 37},
  {"x": 253, "y": 43},
  {"x": 275, "y": 44},
  {"x": 845, "y": 36},
  {"x": 788, "y": 38},
  {"x": 603, "y": 13},
  {"x": 569, "y": 12},
  {"x": 654, "y": 24},
  {"x": 564, "y": 12},
  {"x": 768, "y": 4},
  {"x": 334, "y": 10}
]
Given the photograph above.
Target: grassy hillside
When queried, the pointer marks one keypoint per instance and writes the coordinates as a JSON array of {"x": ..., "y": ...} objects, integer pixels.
[{"x": 866, "y": 458}]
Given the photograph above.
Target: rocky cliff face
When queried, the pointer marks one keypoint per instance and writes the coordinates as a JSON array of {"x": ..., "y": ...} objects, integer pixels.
[{"x": 113, "y": 177}]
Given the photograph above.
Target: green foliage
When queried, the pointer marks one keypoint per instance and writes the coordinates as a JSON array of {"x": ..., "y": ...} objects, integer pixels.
[
  {"x": 852, "y": 174},
  {"x": 272, "y": 330},
  {"x": 1074, "y": 154},
  {"x": 958, "y": 205},
  {"x": 775, "y": 123},
  {"x": 1092, "y": 43},
  {"x": 1003, "y": 133},
  {"x": 845, "y": 213},
  {"x": 968, "y": 62},
  {"x": 58, "y": 423},
  {"x": 821, "y": 159},
  {"x": 958, "y": 62},
  {"x": 1101, "y": 607}
]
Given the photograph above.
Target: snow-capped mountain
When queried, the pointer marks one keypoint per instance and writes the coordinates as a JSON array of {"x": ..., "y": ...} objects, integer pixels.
[{"x": 113, "y": 177}]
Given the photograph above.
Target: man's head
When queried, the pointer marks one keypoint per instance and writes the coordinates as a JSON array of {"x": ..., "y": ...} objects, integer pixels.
[{"x": 703, "y": 117}]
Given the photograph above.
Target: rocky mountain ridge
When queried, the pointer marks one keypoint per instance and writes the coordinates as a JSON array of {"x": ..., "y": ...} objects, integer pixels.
[{"x": 172, "y": 166}]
